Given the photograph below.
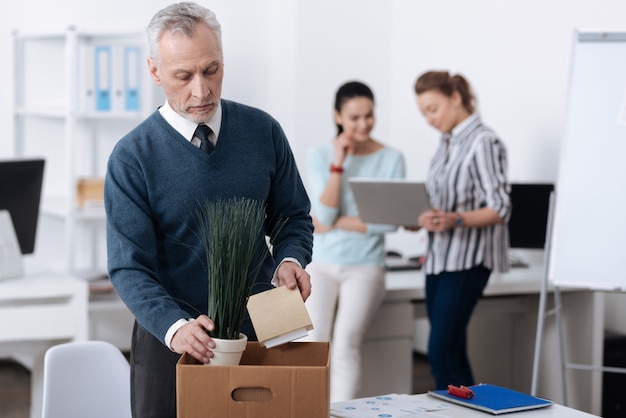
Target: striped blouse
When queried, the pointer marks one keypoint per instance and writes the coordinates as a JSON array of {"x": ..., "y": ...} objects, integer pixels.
[{"x": 468, "y": 172}]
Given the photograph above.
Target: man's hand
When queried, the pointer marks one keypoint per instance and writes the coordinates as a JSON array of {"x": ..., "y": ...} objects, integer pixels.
[
  {"x": 192, "y": 338},
  {"x": 291, "y": 275}
]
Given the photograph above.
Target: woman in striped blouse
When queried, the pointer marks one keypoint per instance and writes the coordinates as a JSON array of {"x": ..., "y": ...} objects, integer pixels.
[{"x": 468, "y": 235}]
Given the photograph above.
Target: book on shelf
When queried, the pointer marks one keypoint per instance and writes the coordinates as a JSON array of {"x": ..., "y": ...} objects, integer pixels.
[
  {"x": 279, "y": 316},
  {"x": 494, "y": 399},
  {"x": 110, "y": 77}
]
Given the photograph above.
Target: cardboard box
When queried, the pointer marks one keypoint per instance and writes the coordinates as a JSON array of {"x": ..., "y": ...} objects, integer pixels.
[
  {"x": 290, "y": 380},
  {"x": 89, "y": 192}
]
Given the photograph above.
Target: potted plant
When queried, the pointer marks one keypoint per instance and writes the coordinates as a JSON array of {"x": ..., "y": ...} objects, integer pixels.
[{"x": 232, "y": 234}]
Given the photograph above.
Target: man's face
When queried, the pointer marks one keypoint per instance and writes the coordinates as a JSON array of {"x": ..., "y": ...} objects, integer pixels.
[{"x": 190, "y": 70}]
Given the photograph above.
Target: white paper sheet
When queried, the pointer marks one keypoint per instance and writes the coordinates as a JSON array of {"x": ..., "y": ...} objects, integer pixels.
[{"x": 388, "y": 406}]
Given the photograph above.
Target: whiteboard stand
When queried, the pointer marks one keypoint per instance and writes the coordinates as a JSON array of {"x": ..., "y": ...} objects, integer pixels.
[
  {"x": 575, "y": 366},
  {"x": 559, "y": 321},
  {"x": 542, "y": 315},
  {"x": 590, "y": 177}
]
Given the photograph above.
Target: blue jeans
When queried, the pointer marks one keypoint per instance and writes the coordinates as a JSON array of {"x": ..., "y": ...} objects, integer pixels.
[{"x": 450, "y": 300}]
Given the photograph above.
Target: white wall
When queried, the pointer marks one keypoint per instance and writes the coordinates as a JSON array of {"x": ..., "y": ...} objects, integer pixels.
[
  {"x": 516, "y": 54},
  {"x": 251, "y": 38},
  {"x": 289, "y": 57}
]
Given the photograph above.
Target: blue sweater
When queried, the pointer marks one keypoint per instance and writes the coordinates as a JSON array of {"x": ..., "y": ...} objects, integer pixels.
[{"x": 155, "y": 181}]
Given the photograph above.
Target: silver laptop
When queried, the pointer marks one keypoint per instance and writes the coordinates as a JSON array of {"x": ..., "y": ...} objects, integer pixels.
[{"x": 392, "y": 202}]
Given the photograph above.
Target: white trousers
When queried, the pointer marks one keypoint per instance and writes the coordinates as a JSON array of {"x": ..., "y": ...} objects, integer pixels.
[{"x": 343, "y": 302}]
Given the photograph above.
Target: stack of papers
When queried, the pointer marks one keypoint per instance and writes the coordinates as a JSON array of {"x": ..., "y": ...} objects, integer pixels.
[{"x": 392, "y": 405}]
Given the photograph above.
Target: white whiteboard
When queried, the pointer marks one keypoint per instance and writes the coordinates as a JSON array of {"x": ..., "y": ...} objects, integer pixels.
[{"x": 588, "y": 241}]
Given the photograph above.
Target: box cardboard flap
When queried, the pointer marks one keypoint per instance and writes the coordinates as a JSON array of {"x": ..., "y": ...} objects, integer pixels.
[{"x": 290, "y": 354}]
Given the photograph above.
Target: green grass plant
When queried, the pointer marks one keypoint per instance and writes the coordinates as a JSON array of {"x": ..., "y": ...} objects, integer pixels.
[{"x": 232, "y": 233}]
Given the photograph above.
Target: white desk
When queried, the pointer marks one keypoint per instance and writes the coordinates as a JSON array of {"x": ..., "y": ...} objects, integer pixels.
[
  {"x": 111, "y": 321},
  {"x": 38, "y": 311},
  {"x": 501, "y": 333},
  {"x": 501, "y": 337},
  {"x": 554, "y": 411}
]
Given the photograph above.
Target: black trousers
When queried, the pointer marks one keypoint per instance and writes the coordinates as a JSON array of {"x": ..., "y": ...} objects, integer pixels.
[{"x": 152, "y": 376}]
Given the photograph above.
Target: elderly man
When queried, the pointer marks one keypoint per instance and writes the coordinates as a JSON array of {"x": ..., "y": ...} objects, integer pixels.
[{"x": 196, "y": 146}]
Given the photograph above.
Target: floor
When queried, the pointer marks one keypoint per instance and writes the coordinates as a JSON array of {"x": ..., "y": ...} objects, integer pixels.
[
  {"x": 422, "y": 380},
  {"x": 15, "y": 385},
  {"x": 14, "y": 390}
]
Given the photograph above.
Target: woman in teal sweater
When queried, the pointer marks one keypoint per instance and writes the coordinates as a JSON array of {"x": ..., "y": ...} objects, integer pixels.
[{"x": 347, "y": 270}]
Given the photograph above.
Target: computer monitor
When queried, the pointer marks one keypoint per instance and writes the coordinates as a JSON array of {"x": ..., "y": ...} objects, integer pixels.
[
  {"x": 20, "y": 193},
  {"x": 529, "y": 216}
]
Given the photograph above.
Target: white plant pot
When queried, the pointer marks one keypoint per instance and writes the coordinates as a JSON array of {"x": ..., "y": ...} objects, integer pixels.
[{"x": 228, "y": 352}]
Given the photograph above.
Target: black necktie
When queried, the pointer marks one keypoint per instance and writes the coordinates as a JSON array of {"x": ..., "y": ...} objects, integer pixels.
[{"x": 203, "y": 132}]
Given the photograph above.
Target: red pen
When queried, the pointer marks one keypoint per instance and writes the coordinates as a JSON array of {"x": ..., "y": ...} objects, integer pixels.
[{"x": 461, "y": 392}]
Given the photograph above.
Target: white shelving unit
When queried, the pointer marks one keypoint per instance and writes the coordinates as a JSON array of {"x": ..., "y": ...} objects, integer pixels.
[{"x": 55, "y": 117}]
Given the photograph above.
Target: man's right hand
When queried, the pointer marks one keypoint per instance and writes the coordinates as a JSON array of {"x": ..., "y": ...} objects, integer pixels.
[{"x": 193, "y": 339}]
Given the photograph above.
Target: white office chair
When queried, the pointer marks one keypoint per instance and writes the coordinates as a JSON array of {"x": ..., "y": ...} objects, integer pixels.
[{"x": 86, "y": 379}]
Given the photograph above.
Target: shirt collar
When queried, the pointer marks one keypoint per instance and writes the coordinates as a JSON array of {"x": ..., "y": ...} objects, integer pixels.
[
  {"x": 455, "y": 136},
  {"x": 464, "y": 124},
  {"x": 185, "y": 127}
]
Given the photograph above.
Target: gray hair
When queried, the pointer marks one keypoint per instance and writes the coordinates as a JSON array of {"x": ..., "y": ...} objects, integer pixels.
[{"x": 180, "y": 17}]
